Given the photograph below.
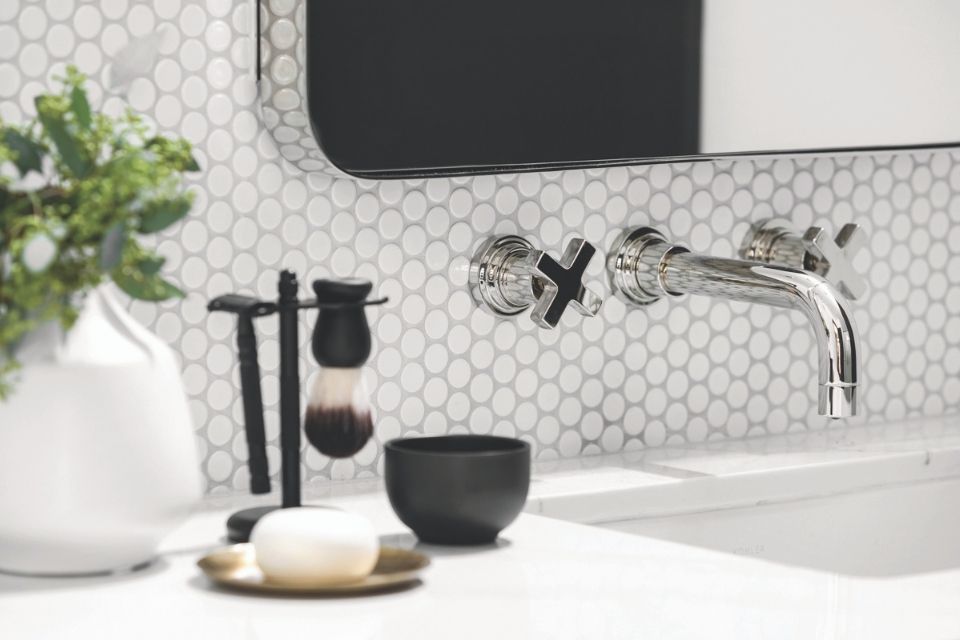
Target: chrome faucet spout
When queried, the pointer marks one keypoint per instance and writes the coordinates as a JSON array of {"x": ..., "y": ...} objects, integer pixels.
[
  {"x": 827, "y": 311},
  {"x": 645, "y": 267}
]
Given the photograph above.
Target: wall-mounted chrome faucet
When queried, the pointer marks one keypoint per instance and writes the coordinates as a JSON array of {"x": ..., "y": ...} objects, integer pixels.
[
  {"x": 508, "y": 275},
  {"x": 644, "y": 267}
]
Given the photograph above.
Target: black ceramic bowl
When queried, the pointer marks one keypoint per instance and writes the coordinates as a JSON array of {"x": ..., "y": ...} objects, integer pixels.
[{"x": 457, "y": 489}]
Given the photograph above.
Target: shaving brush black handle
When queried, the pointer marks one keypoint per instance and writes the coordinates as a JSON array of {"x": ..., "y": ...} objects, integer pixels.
[{"x": 341, "y": 337}]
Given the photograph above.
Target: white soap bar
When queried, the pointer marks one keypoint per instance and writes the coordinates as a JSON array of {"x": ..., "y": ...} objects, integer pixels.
[{"x": 315, "y": 545}]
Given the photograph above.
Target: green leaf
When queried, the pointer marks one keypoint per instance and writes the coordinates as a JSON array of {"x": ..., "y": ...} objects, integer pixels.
[
  {"x": 143, "y": 287},
  {"x": 81, "y": 107},
  {"x": 16, "y": 203},
  {"x": 69, "y": 148},
  {"x": 111, "y": 249},
  {"x": 28, "y": 153},
  {"x": 164, "y": 290},
  {"x": 158, "y": 216},
  {"x": 101, "y": 172},
  {"x": 151, "y": 266}
]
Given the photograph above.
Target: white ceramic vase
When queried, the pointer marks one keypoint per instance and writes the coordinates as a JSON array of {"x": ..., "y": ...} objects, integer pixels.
[{"x": 97, "y": 454}]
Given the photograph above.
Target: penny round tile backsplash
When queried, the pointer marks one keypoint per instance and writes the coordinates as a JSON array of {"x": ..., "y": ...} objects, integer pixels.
[{"x": 680, "y": 371}]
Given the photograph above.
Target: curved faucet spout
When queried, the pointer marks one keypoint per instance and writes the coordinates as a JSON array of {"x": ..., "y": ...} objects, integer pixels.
[
  {"x": 647, "y": 267},
  {"x": 826, "y": 309}
]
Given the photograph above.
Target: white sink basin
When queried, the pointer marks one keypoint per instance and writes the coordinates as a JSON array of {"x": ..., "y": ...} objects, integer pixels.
[
  {"x": 867, "y": 502},
  {"x": 847, "y": 534},
  {"x": 893, "y": 531}
]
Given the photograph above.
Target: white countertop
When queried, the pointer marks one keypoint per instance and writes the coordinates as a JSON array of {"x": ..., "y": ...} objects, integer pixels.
[{"x": 549, "y": 578}]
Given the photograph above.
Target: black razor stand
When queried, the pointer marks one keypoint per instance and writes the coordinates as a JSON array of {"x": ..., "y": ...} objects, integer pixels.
[
  {"x": 287, "y": 306},
  {"x": 241, "y": 523}
]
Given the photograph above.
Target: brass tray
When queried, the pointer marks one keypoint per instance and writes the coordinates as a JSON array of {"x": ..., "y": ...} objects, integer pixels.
[{"x": 236, "y": 567}]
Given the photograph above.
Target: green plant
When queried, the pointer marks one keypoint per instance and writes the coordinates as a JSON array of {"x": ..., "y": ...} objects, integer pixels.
[{"x": 78, "y": 191}]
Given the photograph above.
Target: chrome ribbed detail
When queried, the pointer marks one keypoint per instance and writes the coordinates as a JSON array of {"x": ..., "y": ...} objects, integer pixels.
[{"x": 775, "y": 241}]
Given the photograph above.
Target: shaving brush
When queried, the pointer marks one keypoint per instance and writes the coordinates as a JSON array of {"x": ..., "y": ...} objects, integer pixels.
[{"x": 339, "y": 420}]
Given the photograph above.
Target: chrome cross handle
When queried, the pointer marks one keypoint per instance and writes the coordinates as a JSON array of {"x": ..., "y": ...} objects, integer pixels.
[
  {"x": 508, "y": 275},
  {"x": 775, "y": 241}
]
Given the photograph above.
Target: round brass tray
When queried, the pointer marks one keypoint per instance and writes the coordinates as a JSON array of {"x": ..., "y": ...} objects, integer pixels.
[{"x": 236, "y": 567}]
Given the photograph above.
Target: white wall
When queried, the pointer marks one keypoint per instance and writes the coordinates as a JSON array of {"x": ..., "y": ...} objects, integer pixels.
[{"x": 782, "y": 74}]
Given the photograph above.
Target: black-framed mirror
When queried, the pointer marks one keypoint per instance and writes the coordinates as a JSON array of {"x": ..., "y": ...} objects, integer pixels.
[{"x": 433, "y": 87}]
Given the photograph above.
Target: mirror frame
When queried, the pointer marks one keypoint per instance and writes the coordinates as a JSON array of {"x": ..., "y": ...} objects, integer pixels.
[{"x": 282, "y": 95}]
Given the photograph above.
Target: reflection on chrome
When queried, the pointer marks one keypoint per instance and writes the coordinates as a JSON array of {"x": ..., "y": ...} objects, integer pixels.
[{"x": 644, "y": 267}]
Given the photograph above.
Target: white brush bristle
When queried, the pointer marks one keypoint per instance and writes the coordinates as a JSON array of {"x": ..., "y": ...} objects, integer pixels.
[{"x": 336, "y": 387}]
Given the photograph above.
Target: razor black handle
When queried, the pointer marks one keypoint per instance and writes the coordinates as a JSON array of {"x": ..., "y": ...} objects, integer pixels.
[
  {"x": 253, "y": 405},
  {"x": 246, "y": 309}
]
